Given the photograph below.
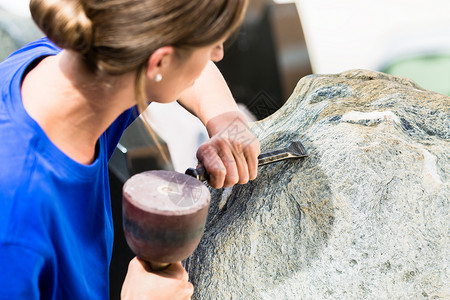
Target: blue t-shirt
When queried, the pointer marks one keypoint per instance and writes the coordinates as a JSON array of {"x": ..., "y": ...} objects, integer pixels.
[{"x": 56, "y": 230}]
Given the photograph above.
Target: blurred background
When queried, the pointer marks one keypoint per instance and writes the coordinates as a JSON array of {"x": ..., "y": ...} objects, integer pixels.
[{"x": 279, "y": 43}]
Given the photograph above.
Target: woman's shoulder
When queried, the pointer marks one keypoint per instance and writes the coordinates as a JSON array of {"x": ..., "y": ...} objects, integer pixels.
[
  {"x": 43, "y": 45},
  {"x": 15, "y": 65},
  {"x": 18, "y": 61}
]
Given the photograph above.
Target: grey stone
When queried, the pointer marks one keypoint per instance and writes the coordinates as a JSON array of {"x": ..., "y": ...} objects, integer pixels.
[{"x": 365, "y": 216}]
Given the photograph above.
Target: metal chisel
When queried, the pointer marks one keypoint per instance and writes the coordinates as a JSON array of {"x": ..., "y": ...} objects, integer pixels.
[{"x": 293, "y": 150}]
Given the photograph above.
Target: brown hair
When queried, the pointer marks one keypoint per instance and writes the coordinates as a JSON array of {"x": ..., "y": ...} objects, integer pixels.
[{"x": 118, "y": 36}]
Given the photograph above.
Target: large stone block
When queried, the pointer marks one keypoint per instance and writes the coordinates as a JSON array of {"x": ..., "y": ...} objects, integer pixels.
[{"x": 365, "y": 216}]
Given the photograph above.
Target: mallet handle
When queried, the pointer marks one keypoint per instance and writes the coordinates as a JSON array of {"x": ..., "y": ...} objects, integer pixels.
[{"x": 155, "y": 267}]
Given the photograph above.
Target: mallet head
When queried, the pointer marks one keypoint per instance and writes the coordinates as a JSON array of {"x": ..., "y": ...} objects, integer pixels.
[{"x": 164, "y": 215}]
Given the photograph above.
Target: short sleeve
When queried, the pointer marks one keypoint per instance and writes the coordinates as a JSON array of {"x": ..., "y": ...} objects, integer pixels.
[{"x": 20, "y": 274}]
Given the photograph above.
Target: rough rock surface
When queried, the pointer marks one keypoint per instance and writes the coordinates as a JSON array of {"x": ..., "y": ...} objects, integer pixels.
[{"x": 365, "y": 216}]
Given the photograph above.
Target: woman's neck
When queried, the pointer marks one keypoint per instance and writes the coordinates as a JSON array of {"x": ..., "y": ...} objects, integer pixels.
[{"x": 72, "y": 106}]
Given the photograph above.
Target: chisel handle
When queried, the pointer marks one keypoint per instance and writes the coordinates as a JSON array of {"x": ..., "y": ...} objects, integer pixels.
[{"x": 199, "y": 173}]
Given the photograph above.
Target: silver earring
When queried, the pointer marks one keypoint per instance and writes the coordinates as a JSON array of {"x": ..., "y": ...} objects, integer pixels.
[{"x": 158, "y": 77}]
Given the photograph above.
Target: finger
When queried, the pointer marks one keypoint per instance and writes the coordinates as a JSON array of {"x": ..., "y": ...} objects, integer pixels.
[
  {"x": 137, "y": 264},
  {"x": 241, "y": 163},
  {"x": 210, "y": 159},
  {"x": 252, "y": 166},
  {"x": 189, "y": 290},
  {"x": 177, "y": 271},
  {"x": 185, "y": 292},
  {"x": 251, "y": 155},
  {"x": 227, "y": 156}
]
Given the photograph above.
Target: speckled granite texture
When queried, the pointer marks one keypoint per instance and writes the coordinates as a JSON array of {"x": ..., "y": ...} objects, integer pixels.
[{"x": 365, "y": 216}]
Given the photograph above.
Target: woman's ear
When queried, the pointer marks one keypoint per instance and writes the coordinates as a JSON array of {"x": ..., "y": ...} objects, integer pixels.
[{"x": 158, "y": 61}]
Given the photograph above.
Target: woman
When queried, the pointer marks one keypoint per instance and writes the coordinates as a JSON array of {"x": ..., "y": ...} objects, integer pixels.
[{"x": 65, "y": 103}]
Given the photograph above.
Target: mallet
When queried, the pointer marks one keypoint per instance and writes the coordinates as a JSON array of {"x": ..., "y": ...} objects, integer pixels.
[{"x": 164, "y": 216}]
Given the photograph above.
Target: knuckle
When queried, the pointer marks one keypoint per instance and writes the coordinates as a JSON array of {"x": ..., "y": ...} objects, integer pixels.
[
  {"x": 204, "y": 146},
  {"x": 255, "y": 148},
  {"x": 133, "y": 264},
  {"x": 220, "y": 175},
  {"x": 185, "y": 276},
  {"x": 223, "y": 144},
  {"x": 217, "y": 177},
  {"x": 217, "y": 184},
  {"x": 237, "y": 144},
  {"x": 243, "y": 179},
  {"x": 253, "y": 175},
  {"x": 231, "y": 180},
  {"x": 243, "y": 176},
  {"x": 189, "y": 290},
  {"x": 205, "y": 150}
]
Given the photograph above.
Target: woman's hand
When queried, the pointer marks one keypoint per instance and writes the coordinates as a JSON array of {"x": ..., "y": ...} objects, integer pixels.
[
  {"x": 231, "y": 155},
  {"x": 171, "y": 283}
]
